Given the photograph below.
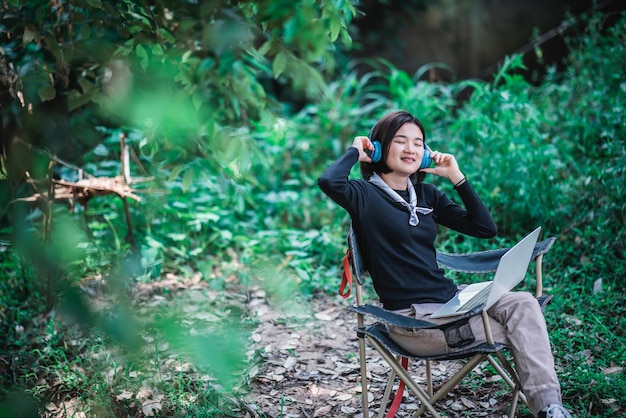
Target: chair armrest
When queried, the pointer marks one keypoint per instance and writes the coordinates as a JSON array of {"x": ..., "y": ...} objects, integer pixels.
[
  {"x": 538, "y": 257},
  {"x": 485, "y": 261},
  {"x": 404, "y": 321}
]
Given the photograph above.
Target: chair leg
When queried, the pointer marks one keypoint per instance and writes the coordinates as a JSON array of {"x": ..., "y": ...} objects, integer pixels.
[
  {"x": 513, "y": 381},
  {"x": 429, "y": 379},
  {"x": 364, "y": 393},
  {"x": 404, "y": 375},
  {"x": 387, "y": 394},
  {"x": 514, "y": 400},
  {"x": 397, "y": 399},
  {"x": 450, "y": 384}
]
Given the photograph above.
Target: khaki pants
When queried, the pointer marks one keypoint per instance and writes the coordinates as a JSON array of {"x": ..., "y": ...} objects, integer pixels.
[{"x": 515, "y": 320}]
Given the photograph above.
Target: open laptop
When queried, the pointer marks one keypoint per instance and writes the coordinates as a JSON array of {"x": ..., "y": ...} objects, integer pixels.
[{"x": 511, "y": 270}]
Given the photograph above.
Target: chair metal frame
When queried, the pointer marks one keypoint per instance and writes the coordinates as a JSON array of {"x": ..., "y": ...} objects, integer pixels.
[{"x": 376, "y": 336}]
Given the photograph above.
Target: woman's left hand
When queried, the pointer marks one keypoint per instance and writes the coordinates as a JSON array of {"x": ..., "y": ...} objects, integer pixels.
[{"x": 446, "y": 166}]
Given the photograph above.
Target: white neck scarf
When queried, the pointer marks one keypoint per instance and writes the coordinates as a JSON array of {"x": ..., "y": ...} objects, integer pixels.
[{"x": 411, "y": 206}]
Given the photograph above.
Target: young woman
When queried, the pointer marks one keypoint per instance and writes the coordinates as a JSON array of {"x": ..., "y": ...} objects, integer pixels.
[{"x": 395, "y": 217}]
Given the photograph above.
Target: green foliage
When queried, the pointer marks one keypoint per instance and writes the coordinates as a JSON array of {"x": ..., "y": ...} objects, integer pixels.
[
  {"x": 235, "y": 201},
  {"x": 500, "y": 120},
  {"x": 160, "y": 69},
  {"x": 184, "y": 82}
]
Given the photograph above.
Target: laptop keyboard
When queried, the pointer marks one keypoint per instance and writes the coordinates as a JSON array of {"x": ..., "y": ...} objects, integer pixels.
[{"x": 478, "y": 299}]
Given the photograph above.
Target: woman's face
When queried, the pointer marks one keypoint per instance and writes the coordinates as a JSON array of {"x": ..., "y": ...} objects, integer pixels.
[{"x": 406, "y": 150}]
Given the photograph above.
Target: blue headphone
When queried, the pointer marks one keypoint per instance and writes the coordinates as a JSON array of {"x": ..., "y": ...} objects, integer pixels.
[{"x": 377, "y": 154}]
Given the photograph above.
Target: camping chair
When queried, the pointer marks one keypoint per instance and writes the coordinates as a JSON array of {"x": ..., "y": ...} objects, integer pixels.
[{"x": 375, "y": 334}]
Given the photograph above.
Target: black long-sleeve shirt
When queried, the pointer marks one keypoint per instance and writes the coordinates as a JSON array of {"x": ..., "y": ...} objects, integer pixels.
[{"x": 401, "y": 258}]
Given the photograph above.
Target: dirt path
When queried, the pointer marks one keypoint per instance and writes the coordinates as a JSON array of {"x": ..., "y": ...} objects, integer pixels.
[{"x": 309, "y": 367}]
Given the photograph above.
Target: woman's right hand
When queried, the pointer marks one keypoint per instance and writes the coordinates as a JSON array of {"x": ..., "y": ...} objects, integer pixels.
[{"x": 362, "y": 143}]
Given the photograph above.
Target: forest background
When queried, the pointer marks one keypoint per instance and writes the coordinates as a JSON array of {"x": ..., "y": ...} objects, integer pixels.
[{"x": 228, "y": 125}]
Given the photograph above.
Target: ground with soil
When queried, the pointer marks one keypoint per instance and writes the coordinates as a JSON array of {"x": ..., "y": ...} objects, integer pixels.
[
  {"x": 309, "y": 367},
  {"x": 303, "y": 358}
]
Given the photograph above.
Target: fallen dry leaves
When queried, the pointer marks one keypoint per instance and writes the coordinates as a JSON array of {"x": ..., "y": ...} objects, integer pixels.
[
  {"x": 308, "y": 366},
  {"x": 302, "y": 360}
]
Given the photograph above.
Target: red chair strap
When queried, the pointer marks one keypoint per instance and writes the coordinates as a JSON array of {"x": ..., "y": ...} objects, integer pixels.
[{"x": 345, "y": 288}]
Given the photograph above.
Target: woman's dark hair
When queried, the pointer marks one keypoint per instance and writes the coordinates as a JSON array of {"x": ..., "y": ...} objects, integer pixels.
[{"x": 383, "y": 132}]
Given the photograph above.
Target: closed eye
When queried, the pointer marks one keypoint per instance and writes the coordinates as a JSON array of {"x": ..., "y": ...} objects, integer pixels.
[{"x": 400, "y": 139}]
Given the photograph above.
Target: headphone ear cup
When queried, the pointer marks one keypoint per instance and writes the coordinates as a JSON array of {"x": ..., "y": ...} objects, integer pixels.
[
  {"x": 425, "y": 158},
  {"x": 377, "y": 154}
]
